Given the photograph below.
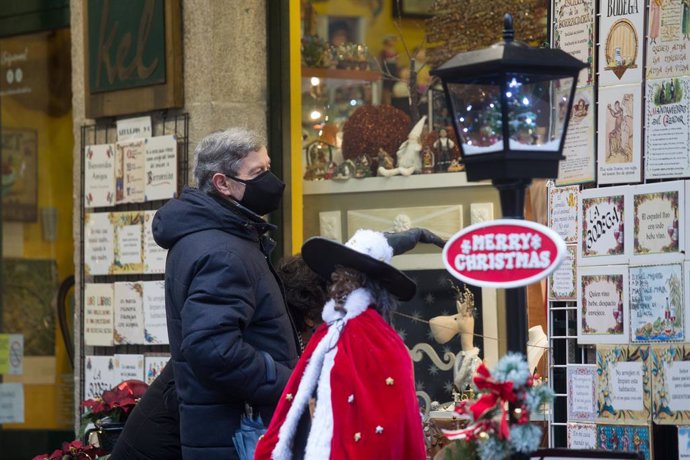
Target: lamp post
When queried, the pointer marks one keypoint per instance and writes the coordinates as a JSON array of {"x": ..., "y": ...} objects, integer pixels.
[{"x": 510, "y": 105}]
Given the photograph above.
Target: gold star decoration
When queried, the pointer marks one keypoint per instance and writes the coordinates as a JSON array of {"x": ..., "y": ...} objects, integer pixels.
[
  {"x": 289, "y": 396},
  {"x": 390, "y": 381},
  {"x": 379, "y": 429},
  {"x": 358, "y": 436}
]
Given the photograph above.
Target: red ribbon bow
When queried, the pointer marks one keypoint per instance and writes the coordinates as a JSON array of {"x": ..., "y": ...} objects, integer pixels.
[{"x": 499, "y": 393}]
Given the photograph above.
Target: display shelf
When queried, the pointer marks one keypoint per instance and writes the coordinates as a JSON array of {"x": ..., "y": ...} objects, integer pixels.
[
  {"x": 388, "y": 184},
  {"x": 341, "y": 74}
]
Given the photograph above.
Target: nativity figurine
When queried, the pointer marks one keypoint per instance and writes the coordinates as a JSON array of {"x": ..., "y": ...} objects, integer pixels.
[{"x": 409, "y": 154}]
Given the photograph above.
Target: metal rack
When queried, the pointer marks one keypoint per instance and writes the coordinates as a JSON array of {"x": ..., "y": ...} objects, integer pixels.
[
  {"x": 104, "y": 132},
  {"x": 565, "y": 352}
]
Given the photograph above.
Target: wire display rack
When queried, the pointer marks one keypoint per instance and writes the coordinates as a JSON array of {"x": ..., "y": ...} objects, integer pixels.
[{"x": 105, "y": 132}]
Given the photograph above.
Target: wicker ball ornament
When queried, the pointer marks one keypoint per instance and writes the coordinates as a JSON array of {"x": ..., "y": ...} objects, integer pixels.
[{"x": 371, "y": 128}]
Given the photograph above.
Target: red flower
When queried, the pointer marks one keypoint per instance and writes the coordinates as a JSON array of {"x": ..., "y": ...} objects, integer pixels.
[
  {"x": 124, "y": 397},
  {"x": 75, "y": 450}
]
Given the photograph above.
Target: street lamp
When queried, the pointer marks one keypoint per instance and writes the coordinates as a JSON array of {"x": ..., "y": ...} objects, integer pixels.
[{"x": 510, "y": 105}]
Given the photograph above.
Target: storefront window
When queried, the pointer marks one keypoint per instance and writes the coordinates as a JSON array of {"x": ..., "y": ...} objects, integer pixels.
[
  {"x": 37, "y": 240},
  {"x": 378, "y": 152}
]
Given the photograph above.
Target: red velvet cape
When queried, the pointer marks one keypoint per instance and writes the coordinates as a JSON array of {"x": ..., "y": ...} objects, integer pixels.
[{"x": 382, "y": 418}]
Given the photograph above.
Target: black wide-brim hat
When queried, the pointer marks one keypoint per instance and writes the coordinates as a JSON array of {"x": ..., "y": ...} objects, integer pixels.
[{"x": 323, "y": 255}]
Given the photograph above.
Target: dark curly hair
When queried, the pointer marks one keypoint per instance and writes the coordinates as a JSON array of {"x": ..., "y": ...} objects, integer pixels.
[{"x": 305, "y": 291}]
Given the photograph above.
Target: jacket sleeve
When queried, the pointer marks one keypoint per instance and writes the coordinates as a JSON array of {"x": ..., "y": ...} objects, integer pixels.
[{"x": 219, "y": 305}]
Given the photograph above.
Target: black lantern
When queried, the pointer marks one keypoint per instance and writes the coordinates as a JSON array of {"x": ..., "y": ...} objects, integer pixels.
[{"x": 510, "y": 104}]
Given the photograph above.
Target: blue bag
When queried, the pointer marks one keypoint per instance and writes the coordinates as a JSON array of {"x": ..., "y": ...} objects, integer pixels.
[{"x": 247, "y": 436}]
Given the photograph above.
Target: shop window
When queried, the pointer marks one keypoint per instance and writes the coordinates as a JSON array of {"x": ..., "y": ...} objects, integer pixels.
[
  {"x": 378, "y": 152},
  {"x": 37, "y": 240}
]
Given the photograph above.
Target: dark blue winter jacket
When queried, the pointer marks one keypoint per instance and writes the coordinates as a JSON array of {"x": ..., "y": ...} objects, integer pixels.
[{"x": 231, "y": 339}]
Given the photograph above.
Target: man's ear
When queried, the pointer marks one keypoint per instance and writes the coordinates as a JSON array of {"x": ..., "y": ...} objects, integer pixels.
[{"x": 220, "y": 183}]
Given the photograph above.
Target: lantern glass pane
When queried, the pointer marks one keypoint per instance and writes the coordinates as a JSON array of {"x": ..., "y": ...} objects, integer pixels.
[
  {"x": 537, "y": 106},
  {"x": 477, "y": 116}
]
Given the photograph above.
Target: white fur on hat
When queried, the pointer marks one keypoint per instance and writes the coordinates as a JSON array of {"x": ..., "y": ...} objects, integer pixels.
[{"x": 371, "y": 243}]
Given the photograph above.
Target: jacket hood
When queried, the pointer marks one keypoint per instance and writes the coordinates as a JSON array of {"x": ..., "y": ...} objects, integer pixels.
[{"x": 196, "y": 211}]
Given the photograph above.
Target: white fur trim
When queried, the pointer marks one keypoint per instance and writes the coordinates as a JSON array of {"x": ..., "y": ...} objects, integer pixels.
[
  {"x": 318, "y": 371},
  {"x": 321, "y": 433},
  {"x": 310, "y": 378},
  {"x": 371, "y": 243},
  {"x": 355, "y": 304}
]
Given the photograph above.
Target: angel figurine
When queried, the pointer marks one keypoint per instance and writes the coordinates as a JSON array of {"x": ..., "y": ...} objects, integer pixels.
[{"x": 444, "y": 328}]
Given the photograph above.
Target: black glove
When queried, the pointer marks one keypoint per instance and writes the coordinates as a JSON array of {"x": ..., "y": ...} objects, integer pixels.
[{"x": 401, "y": 242}]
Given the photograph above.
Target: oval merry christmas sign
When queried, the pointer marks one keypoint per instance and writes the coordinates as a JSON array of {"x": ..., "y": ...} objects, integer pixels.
[{"x": 504, "y": 253}]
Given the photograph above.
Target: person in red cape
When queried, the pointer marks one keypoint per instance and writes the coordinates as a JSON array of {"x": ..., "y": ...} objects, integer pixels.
[{"x": 356, "y": 367}]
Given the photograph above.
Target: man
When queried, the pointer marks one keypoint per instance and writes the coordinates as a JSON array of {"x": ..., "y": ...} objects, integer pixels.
[
  {"x": 152, "y": 430},
  {"x": 232, "y": 341}
]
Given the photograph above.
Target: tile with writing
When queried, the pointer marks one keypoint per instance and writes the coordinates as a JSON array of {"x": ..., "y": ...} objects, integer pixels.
[
  {"x": 99, "y": 251},
  {"x": 129, "y": 367},
  {"x": 563, "y": 281},
  {"x": 582, "y": 392},
  {"x": 656, "y": 303},
  {"x": 155, "y": 324},
  {"x": 99, "y": 299},
  {"x": 656, "y": 223},
  {"x": 130, "y": 171},
  {"x": 602, "y": 305},
  {"x": 581, "y": 435},
  {"x": 619, "y": 146},
  {"x": 154, "y": 255},
  {"x": 99, "y": 176},
  {"x": 129, "y": 313},
  {"x": 99, "y": 375},
  {"x": 621, "y": 39},
  {"x": 623, "y": 384},
  {"x": 161, "y": 168},
  {"x": 671, "y": 384},
  {"x": 667, "y": 128},
  {"x": 668, "y": 53},
  {"x": 602, "y": 226},
  {"x": 573, "y": 32},
  {"x": 129, "y": 244},
  {"x": 579, "y": 165}
]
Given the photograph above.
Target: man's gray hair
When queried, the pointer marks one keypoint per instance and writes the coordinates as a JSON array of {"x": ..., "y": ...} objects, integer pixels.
[{"x": 222, "y": 152}]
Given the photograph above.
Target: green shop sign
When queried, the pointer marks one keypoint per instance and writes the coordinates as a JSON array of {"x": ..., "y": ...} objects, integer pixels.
[{"x": 126, "y": 44}]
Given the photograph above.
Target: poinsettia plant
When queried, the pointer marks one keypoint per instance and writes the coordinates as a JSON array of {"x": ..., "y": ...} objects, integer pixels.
[
  {"x": 500, "y": 416},
  {"x": 114, "y": 404},
  {"x": 75, "y": 450}
]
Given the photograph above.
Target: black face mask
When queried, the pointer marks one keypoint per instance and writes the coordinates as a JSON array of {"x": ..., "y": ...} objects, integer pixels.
[{"x": 263, "y": 193}]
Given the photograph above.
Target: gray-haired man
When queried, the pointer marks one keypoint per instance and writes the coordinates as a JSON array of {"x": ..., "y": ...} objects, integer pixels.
[{"x": 231, "y": 338}]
